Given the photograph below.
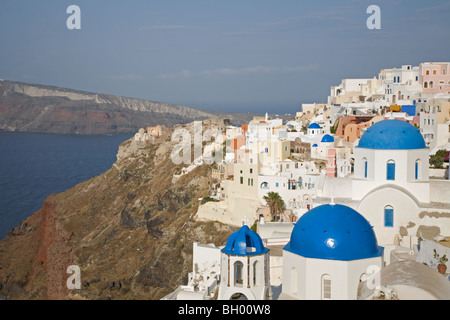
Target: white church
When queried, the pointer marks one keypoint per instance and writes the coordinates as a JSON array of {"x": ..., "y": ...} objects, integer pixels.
[
  {"x": 391, "y": 186},
  {"x": 370, "y": 223}
]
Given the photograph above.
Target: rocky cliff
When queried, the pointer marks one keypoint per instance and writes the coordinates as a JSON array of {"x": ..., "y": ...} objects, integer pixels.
[
  {"x": 38, "y": 108},
  {"x": 130, "y": 230}
]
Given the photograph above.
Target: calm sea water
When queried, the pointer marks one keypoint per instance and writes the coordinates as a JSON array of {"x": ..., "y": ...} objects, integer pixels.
[{"x": 33, "y": 166}]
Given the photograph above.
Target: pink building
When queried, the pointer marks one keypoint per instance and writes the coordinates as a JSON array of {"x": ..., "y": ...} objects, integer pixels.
[
  {"x": 331, "y": 163},
  {"x": 435, "y": 77},
  {"x": 236, "y": 145}
]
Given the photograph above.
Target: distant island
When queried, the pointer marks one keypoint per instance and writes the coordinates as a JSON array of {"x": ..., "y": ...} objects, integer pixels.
[{"x": 48, "y": 109}]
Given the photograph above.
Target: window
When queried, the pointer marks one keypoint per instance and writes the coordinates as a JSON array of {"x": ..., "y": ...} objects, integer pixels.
[
  {"x": 434, "y": 72},
  {"x": 256, "y": 280},
  {"x": 365, "y": 167},
  {"x": 431, "y": 84},
  {"x": 425, "y": 85},
  {"x": 277, "y": 184},
  {"x": 390, "y": 170},
  {"x": 242, "y": 180},
  {"x": 251, "y": 170},
  {"x": 428, "y": 72},
  {"x": 326, "y": 287},
  {"x": 388, "y": 216},
  {"x": 293, "y": 281},
  {"x": 264, "y": 185},
  {"x": 238, "y": 274},
  {"x": 418, "y": 169}
]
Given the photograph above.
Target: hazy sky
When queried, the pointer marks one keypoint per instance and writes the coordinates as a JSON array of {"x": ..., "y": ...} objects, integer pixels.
[{"x": 246, "y": 55}]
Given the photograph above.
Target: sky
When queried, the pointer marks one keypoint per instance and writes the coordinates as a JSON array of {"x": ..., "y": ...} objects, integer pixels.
[{"x": 238, "y": 56}]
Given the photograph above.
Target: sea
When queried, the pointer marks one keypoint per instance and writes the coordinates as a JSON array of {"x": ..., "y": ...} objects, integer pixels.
[{"x": 35, "y": 165}]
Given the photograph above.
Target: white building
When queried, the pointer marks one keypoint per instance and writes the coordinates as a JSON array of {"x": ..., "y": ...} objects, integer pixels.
[
  {"x": 329, "y": 254},
  {"x": 244, "y": 267},
  {"x": 391, "y": 186}
]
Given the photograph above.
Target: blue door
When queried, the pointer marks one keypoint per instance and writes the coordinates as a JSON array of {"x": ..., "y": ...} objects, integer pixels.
[{"x": 391, "y": 171}]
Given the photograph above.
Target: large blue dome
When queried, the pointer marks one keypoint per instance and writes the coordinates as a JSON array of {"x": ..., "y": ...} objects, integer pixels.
[
  {"x": 314, "y": 126},
  {"x": 327, "y": 138},
  {"x": 334, "y": 232},
  {"x": 244, "y": 242},
  {"x": 392, "y": 134}
]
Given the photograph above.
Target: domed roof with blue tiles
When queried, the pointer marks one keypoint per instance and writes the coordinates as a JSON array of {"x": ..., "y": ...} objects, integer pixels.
[
  {"x": 327, "y": 138},
  {"x": 392, "y": 134},
  {"x": 244, "y": 242},
  {"x": 314, "y": 126},
  {"x": 334, "y": 232}
]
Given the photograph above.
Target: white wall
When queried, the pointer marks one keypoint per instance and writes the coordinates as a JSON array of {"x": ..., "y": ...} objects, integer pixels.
[{"x": 307, "y": 278}]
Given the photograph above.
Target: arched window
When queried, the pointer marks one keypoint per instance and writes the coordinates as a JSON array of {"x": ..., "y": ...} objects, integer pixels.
[
  {"x": 390, "y": 170},
  {"x": 293, "y": 281},
  {"x": 365, "y": 167},
  {"x": 425, "y": 85},
  {"x": 238, "y": 273},
  {"x": 326, "y": 287},
  {"x": 431, "y": 84},
  {"x": 388, "y": 216},
  {"x": 256, "y": 275},
  {"x": 264, "y": 185},
  {"x": 418, "y": 169}
]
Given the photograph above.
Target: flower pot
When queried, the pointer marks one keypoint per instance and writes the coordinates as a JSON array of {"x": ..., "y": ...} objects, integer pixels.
[{"x": 442, "y": 268}]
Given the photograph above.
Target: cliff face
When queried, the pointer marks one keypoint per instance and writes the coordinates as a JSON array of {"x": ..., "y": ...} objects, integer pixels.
[
  {"x": 130, "y": 230},
  {"x": 37, "y": 108}
]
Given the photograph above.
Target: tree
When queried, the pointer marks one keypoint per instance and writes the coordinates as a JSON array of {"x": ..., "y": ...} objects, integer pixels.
[
  {"x": 275, "y": 203},
  {"x": 437, "y": 160}
]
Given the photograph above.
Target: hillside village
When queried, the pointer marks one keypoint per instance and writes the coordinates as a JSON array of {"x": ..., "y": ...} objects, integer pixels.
[{"x": 358, "y": 182}]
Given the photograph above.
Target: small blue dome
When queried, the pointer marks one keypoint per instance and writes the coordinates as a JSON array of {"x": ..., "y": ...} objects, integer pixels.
[
  {"x": 314, "y": 126},
  {"x": 327, "y": 138},
  {"x": 392, "y": 134},
  {"x": 334, "y": 232},
  {"x": 244, "y": 242},
  {"x": 315, "y": 145}
]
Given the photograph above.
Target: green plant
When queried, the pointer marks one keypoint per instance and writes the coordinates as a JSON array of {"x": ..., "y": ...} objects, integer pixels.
[
  {"x": 275, "y": 203},
  {"x": 437, "y": 160},
  {"x": 439, "y": 259}
]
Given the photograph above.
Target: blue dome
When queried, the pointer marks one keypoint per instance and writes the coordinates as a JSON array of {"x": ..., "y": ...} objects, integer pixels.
[
  {"x": 392, "y": 134},
  {"x": 315, "y": 145},
  {"x": 244, "y": 242},
  {"x": 327, "y": 138},
  {"x": 314, "y": 126},
  {"x": 334, "y": 232}
]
